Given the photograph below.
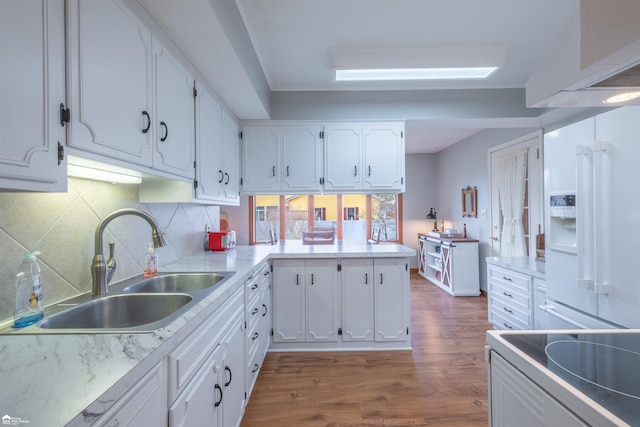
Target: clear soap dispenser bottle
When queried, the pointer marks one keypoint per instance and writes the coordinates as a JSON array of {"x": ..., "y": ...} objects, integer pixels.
[
  {"x": 151, "y": 268},
  {"x": 29, "y": 307}
]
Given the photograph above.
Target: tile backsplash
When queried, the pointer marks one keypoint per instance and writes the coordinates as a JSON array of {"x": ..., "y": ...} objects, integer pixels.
[{"x": 62, "y": 227}]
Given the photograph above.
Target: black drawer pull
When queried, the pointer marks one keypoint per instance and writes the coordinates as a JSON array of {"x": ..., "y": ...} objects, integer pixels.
[
  {"x": 255, "y": 336},
  {"x": 508, "y": 279},
  {"x": 254, "y": 287},
  {"x": 507, "y": 326},
  {"x": 255, "y": 368},
  {"x": 228, "y": 369},
  {"x": 507, "y": 310},
  {"x": 508, "y": 295},
  {"x": 255, "y": 311}
]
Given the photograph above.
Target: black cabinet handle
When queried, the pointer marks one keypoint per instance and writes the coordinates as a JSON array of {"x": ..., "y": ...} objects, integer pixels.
[
  {"x": 297, "y": 279},
  {"x": 366, "y": 278},
  {"x": 146, "y": 129},
  {"x": 508, "y": 279},
  {"x": 217, "y": 387},
  {"x": 228, "y": 369},
  {"x": 221, "y": 176},
  {"x": 369, "y": 170},
  {"x": 264, "y": 313},
  {"x": 255, "y": 336},
  {"x": 255, "y": 368},
  {"x": 355, "y": 170},
  {"x": 508, "y": 295},
  {"x": 255, "y": 311},
  {"x": 507, "y": 326},
  {"x": 312, "y": 282},
  {"x": 287, "y": 170},
  {"x": 227, "y": 180},
  {"x": 273, "y": 170},
  {"x": 381, "y": 278},
  {"x": 254, "y": 287},
  {"x": 507, "y": 310},
  {"x": 166, "y": 131}
]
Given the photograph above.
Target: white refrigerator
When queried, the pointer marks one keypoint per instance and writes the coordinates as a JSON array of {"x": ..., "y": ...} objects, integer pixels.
[{"x": 592, "y": 221}]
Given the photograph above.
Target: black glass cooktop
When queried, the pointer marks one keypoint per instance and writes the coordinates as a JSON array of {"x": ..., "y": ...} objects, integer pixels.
[{"x": 605, "y": 367}]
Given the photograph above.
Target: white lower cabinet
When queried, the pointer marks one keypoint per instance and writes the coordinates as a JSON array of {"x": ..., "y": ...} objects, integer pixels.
[
  {"x": 375, "y": 300},
  {"x": 346, "y": 303},
  {"x": 515, "y": 400},
  {"x": 510, "y": 298},
  {"x": 144, "y": 404},
  {"x": 258, "y": 321},
  {"x": 206, "y": 372},
  {"x": 305, "y": 301}
]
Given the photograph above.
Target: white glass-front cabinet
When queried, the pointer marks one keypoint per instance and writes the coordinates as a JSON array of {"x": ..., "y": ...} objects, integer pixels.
[
  {"x": 32, "y": 89},
  {"x": 305, "y": 298},
  {"x": 282, "y": 159}
]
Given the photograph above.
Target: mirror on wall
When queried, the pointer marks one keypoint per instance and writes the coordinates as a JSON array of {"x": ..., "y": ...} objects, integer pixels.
[{"x": 469, "y": 201}]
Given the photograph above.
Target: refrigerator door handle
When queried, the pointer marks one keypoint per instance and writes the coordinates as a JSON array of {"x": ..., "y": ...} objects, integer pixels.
[
  {"x": 574, "y": 324},
  {"x": 602, "y": 216},
  {"x": 584, "y": 216}
]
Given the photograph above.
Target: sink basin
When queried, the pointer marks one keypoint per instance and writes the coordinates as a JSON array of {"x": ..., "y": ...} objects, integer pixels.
[
  {"x": 118, "y": 311},
  {"x": 178, "y": 282}
]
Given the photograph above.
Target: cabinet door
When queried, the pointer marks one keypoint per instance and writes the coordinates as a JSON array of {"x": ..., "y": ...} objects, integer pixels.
[
  {"x": 233, "y": 383},
  {"x": 517, "y": 401},
  {"x": 260, "y": 173},
  {"x": 202, "y": 399},
  {"x": 266, "y": 314},
  {"x": 323, "y": 316},
  {"x": 174, "y": 121},
  {"x": 144, "y": 404},
  {"x": 288, "y": 301},
  {"x": 383, "y": 157},
  {"x": 357, "y": 299},
  {"x": 209, "y": 167},
  {"x": 31, "y": 89},
  {"x": 343, "y": 157},
  {"x": 109, "y": 75},
  {"x": 301, "y": 159},
  {"x": 231, "y": 160},
  {"x": 392, "y": 299}
]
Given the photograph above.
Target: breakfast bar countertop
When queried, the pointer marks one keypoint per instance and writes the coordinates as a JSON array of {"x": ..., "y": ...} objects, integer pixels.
[{"x": 73, "y": 379}]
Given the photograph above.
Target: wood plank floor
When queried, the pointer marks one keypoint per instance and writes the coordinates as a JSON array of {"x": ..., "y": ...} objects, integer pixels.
[{"x": 441, "y": 382}]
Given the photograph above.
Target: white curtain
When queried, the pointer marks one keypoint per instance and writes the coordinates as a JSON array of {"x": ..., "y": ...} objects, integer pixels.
[{"x": 512, "y": 175}]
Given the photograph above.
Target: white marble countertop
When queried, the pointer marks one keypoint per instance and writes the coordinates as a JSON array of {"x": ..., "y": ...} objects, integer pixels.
[
  {"x": 526, "y": 265},
  {"x": 51, "y": 380}
]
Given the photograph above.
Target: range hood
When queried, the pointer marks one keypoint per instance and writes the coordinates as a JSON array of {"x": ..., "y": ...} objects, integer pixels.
[{"x": 596, "y": 56}]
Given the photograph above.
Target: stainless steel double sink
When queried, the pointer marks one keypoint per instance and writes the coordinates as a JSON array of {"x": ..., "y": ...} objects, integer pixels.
[{"x": 133, "y": 305}]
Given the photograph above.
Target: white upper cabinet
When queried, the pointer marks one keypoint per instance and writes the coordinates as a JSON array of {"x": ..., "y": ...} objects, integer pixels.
[
  {"x": 230, "y": 167},
  {"x": 174, "y": 115},
  {"x": 334, "y": 158},
  {"x": 343, "y": 153},
  {"x": 282, "y": 158},
  {"x": 260, "y": 154},
  {"x": 383, "y": 156},
  {"x": 110, "y": 85},
  {"x": 301, "y": 167},
  {"x": 131, "y": 99},
  {"x": 364, "y": 157},
  {"x": 32, "y": 88}
]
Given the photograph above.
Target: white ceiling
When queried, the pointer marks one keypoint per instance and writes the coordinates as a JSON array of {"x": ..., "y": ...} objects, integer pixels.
[{"x": 290, "y": 42}]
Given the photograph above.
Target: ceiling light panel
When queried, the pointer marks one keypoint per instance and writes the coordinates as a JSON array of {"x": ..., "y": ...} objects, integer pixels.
[{"x": 389, "y": 74}]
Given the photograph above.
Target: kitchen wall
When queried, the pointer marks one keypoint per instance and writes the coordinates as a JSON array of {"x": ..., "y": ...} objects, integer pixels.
[{"x": 62, "y": 227}]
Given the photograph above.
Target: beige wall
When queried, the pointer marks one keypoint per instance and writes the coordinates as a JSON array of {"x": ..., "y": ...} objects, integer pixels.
[{"x": 62, "y": 227}]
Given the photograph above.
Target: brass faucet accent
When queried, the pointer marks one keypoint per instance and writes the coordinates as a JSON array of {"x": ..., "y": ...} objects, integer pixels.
[{"x": 101, "y": 271}]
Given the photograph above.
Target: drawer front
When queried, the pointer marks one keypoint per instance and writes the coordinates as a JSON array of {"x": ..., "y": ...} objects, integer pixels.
[
  {"x": 185, "y": 361},
  {"x": 509, "y": 294},
  {"x": 253, "y": 369},
  {"x": 512, "y": 314},
  {"x": 505, "y": 322},
  {"x": 509, "y": 278}
]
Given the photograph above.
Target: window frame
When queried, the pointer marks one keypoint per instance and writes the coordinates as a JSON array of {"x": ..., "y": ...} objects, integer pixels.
[{"x": 339, "y": 220}]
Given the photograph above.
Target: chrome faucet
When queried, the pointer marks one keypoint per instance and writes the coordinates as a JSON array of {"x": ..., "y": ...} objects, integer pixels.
[{"x": 101, "y": 271}]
